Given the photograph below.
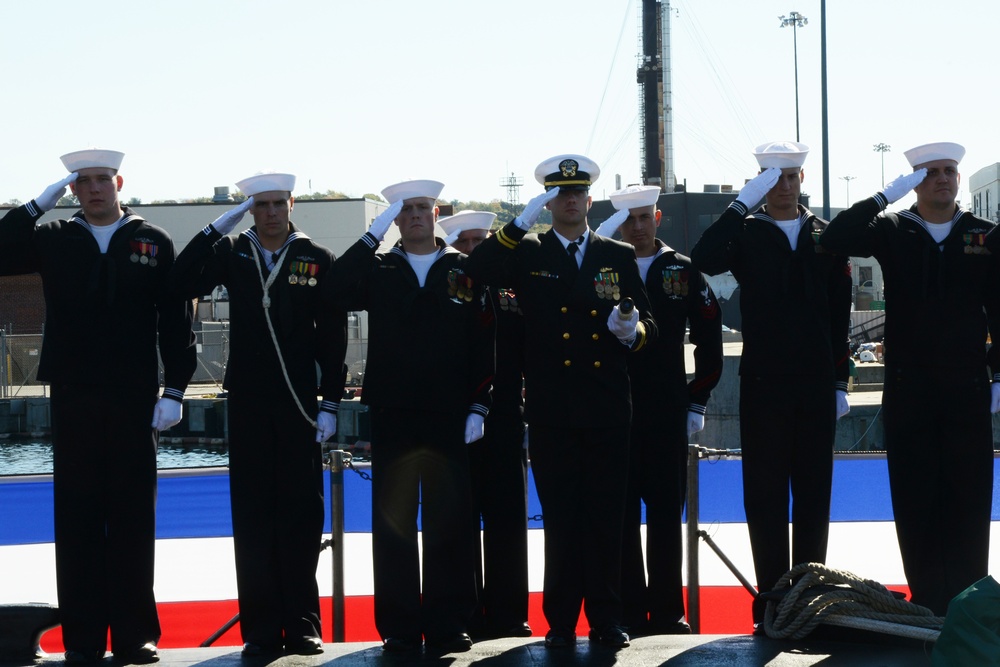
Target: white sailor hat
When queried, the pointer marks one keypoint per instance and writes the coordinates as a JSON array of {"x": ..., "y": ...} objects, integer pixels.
[
  {"x": 635, "y": 196},
  {"x": 412, "y": 189},
  {"x": 266, "y": 181},
  {"x": 781, "y": 154},
  {"x": 466, "y": 220},
  {"x": 569, "y": 172},
  {"x": 942, "y": 150},
  {"x": 92, "y": 157}
]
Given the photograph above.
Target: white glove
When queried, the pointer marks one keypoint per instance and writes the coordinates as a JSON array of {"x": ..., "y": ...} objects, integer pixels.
[
  {"x": 843, "y": 407},
  {"x": 534, "y": 208},
  {"x": 902, "y": 184},
  {"x": 451, "y": 238},
  {"x": 623, "y": 328},
  {"x": 326, "y": 426},
  {"x": 696, "y": 422},
  {"x": 473, "y": 427},
  {"x": 608, "y": 228},
  {"x": 167, "y": 413},
  {"x": 50, "y": 197},
  {"x": 995, "y": 397},
  {"x": 227, "y": 222},
  {"x": 758, "y": 186},
  {"x": 381, "y": 224}
]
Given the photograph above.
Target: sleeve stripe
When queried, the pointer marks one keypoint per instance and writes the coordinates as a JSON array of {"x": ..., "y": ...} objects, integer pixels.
[
  {"x": 506, "y": 241},
  {"x": 739, "y": 207},
  {"x": 176, "y": 394}
]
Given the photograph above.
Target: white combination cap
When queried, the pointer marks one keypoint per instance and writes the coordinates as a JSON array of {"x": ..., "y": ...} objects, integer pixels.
[
  {"x": 266, "y": 181},
  {"x": 92, "y": 157},
  {"x": 635, "y": 196},
  {"x": 569, "y": 172},
  {"x": 943, "y": 150},
  {"x": 781, "y": 154},
  {"x": 466, "y": 220},
  {"x": 411, "y": 190}
]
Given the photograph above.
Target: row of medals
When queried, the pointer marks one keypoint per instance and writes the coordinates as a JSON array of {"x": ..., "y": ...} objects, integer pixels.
[
  {"x": 295, "y": 279},
  {"x": 143, "y": 259},
  {"x": 608, "y": 292}
]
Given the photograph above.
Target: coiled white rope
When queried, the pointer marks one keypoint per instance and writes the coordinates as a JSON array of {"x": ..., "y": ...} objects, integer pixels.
[{"x": 834, "y": 597}]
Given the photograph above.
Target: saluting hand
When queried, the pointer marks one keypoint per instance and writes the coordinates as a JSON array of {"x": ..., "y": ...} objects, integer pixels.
[
  {"x": 381, "y": 223},
  {"x": 897, "y": 188},
  {"x": 227, "y": 222},
  {"x": 473, "y": 427},
  {"x": 759, "y": 185},
  {"x": 52, "y": 194},
  {"x": 534, "y": 208},
  {"x": 326, "y": 426},
  {"x": 608, "y": 228}
]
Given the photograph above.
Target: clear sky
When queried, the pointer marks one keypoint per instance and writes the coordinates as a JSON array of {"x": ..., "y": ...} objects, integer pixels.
[{"x": 355, "y": 95}]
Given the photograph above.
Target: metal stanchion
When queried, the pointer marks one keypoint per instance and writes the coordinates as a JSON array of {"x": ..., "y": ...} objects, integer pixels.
[
  {"x": 338, "y": 460},
  {"x": 693, "y": 586},
  {"x": 694, "y": 532}
]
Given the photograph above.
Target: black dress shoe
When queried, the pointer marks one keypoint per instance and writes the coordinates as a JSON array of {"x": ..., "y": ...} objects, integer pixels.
[
  {"x": 400, "y": 645},
  {"x": 304, "y": 646},
  {"x": 140, "y": 655},
  {"x": 559, "y": 639},
  {"x": 520, "y": 630},
  {"x": 678, "y": 627},
  {"x": 253, "y": 650},
  {"x": 456, "y": 643},
  {"x": 611, "y": 635},
  {"x": 72, "y": 657}
]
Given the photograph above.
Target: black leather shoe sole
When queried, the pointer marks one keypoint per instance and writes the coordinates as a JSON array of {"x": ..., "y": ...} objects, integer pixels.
[
  {"x": 522, "y": 630},
  {"x": 559, "y": 640},
  {"x": 400, "y": 645},
  {"x": 613, "y": 636},
  {"x": 252, "y": 650},
  {"x": 457, "y": 643},
  {"x": 141, "y": 655},
  {"x": 305, "y": 646},
  {"x": 82, "y": 657}
]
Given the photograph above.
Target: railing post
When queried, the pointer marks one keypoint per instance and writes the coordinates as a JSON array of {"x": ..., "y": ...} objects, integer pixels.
[
  {"x": 693, "y": 585},
  {"x": 339, "y": 459},
  {"x": 4, "y": 389}
]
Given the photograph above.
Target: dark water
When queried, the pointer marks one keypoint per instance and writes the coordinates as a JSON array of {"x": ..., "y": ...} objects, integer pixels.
[{"x": 34, "y": 457}]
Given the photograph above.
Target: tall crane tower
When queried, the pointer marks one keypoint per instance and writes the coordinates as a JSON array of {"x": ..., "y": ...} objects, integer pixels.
[{"x": 653, "y": 77}]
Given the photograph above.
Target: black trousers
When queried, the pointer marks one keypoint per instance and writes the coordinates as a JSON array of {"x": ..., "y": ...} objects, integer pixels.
[
  {"x": 104, "y": 465},
  {"x": 939, "y": 446},
  {"x": 658, "y": 478},
  {"x": 420, "y": 461},
  {"x": 276, "y": 489},
  {"x": 499, "y": 465},
  {"x": 787, "y": 428},
  {"x": 580, "y": 475}
]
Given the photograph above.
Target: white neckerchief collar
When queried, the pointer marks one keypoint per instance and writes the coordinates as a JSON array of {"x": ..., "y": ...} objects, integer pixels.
[
  {"x": 269, "y": 256},
  {"x": 938, "y": 230}
]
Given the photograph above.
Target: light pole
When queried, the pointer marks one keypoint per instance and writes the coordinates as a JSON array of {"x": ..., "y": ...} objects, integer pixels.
[
  {"x": 795, "y": 20},
  {"x": 848, "y": 179},
  {"x": 883, "y": 149}
]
